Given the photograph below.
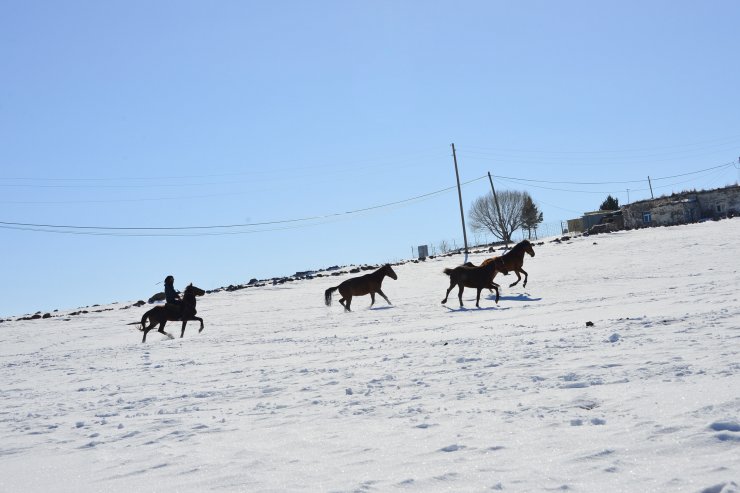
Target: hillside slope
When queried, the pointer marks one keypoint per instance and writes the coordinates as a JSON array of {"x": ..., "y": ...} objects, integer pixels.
[{"x": 281, "y": 393}]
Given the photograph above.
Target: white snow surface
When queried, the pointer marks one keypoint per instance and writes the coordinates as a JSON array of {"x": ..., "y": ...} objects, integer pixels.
[{"x": 282, "y": 393}]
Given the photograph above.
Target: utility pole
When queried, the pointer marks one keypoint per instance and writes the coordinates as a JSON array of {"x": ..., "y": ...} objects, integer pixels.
[
  {"x": 628, "y": 196},
  {"x": 651, "y": 188},
  {"x": 501, "y": 224},
  {"x": 459, "y": 195}
]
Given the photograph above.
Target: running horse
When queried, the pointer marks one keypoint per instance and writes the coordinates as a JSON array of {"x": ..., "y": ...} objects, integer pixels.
[
  {"x": 470, "y": 276},
  {"x": 160, "y": 315},
  {"x": 514, "y": 259},
  {"x": 360, "y": 286}
]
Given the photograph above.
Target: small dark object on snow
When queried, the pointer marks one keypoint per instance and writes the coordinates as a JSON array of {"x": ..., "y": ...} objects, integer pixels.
[{"x": 589, "y": 324}]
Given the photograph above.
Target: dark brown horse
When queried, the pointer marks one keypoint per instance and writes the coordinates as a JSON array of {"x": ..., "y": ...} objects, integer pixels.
[
  {"x": 514, "y": 259},
  {"x": 160, "y": 315},
  {"x": 470, "y": 276},
  {"x": 360, "y": 286}
]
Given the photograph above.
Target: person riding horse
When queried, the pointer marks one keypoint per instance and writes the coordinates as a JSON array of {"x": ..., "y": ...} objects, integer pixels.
[{"x": 172, "y": 298}]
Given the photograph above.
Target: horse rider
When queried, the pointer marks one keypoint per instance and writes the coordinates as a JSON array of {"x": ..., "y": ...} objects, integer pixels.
[{"x": 172, "y": 298}]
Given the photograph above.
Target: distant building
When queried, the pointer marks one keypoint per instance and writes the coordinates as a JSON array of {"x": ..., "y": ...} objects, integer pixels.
[
  {"x": 575, "y": 225},
  {"x": 591, "y": 219},
  {"x": 684, "y": 207}
]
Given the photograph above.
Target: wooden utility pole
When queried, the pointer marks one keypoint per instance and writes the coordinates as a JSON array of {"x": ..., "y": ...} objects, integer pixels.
[
  {"x": 651, "y": 188},
  {"x": 459, "y": 195}
]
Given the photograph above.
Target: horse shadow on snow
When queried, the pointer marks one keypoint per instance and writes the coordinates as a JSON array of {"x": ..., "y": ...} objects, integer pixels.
[{"x": 519, "y": 297}]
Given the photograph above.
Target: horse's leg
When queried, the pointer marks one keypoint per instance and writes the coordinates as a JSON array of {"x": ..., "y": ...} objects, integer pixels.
[
  {"x": 341, "y": 302},
  {"x": 182, "y": 333},
  {"x": 452, "y": 285},
  {"x": 524, "y": 284},
  {"x": 161, "y": 329},
  {"x": 201, "y": 323},
  {"x": 495, "y": 286},
  {"x": 348, "y": 301},
  {"x": 518, "y": 278},
  {"x": 477, "y": 299},
  {"x": 372, "y": 299},
  {"x": 459, "y": 293},
  {"x": 381, "y": 293},
  {"x": 492, "y": 277}
]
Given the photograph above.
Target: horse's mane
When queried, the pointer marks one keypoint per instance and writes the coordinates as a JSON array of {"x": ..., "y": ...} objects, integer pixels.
[{"x": 519, "y": 246}]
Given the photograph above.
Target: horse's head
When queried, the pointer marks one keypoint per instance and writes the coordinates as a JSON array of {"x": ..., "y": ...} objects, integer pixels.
[
  {"x": 194, "y": 290},
  {"x": 390, "y": 272},
  {"x": 528, "y": 248}
]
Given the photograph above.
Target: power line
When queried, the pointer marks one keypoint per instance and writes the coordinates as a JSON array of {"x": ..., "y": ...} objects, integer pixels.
[
  {"x": 707, "y": 143},
  {"x": 394, "y": 161},
  {"x": 609, "y": 182},
  {"x": 288, "y": 223},
  {"x": 716, "y": 169},
  {"x": 97, "y": 229}
]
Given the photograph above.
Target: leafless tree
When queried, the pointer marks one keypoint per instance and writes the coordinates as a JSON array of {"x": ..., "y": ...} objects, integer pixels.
[{"x": 502, "y": 218}]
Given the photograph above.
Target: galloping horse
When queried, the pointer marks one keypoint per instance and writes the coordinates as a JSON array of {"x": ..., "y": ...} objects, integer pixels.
[
  {"x": 160, "y": 315},
  {"x": 360, "y": 286},
  {"x": 514, "y": 259},
  {"x": 474, "y": 277}
]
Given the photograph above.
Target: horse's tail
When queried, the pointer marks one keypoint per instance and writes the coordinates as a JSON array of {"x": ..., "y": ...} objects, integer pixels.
[
  {"x": 327, "y": 295},
  {"x": 144, "y": 319},
  {"x": 448, "y": 271}
]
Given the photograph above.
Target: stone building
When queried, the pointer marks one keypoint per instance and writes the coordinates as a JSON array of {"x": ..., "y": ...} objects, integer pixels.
[
  {"x": 590, "y": 219},
  {"x": 684, "y": 207}
]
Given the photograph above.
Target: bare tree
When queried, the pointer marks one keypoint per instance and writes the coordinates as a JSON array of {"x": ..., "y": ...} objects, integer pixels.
[{"x": 502, "y": 219}]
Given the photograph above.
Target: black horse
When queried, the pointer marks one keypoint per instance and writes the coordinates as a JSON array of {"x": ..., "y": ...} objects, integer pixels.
[
  {"x": 160, "y": 315},
  {"x": 360, "y": 286},
  {"x": 470, "y": 276}
]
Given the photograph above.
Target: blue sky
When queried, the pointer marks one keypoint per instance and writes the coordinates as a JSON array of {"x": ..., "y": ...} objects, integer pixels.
[{"x": 175, "y": 114}]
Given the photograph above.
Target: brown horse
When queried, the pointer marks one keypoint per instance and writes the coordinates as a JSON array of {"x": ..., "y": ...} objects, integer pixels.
[
  {"x": 469, "y": 276},
  {"x": 160, "y": 315},
  {"x": 514, "y": 259},
  {"x": 360, "y": 286}
]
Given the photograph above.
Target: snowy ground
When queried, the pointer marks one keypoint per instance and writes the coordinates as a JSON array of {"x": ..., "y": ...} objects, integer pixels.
[{"x": 281, "y": 393}]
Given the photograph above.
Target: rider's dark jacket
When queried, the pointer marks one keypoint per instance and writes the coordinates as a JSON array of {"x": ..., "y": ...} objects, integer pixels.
[{"x": 170, "y": 294}]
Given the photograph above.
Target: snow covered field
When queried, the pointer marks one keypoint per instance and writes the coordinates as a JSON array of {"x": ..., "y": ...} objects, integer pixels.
[{"x": 281, "y": 393}]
